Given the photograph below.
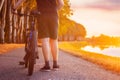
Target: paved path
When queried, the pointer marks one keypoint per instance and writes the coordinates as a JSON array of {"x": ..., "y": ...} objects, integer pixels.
[{"x": 71, "y": 68}]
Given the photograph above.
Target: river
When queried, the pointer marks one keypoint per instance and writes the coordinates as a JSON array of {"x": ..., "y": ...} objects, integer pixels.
[{"x": 110, "y": 51}]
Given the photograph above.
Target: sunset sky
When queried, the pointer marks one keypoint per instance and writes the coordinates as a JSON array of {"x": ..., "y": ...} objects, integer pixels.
[{"x": 98, "y": 16}]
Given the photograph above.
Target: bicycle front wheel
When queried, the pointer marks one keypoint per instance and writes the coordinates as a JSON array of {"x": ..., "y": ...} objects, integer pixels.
[{"x": 31, "y": 64}]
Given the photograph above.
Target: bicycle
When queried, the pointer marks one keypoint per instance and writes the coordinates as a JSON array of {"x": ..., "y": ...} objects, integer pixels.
[{"x": 31, "y": 47}]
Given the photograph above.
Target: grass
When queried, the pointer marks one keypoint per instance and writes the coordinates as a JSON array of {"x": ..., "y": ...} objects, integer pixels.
[
  {"x": 106, "y": 62},
  {"x": 8, "y": 47}
]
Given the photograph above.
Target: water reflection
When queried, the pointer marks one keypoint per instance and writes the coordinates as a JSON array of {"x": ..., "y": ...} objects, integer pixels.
[{"x": 106, "y": 50}]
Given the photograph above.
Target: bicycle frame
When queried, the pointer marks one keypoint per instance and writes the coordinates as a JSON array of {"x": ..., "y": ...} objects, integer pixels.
[{"x": 31, "y": 47}]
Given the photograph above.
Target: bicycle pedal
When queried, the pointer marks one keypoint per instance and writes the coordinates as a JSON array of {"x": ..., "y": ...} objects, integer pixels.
[{"x": 21, "y": 63}]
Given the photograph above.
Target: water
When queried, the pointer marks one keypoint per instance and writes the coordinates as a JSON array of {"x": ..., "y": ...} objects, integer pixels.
[{"x": 110, "y": 51}]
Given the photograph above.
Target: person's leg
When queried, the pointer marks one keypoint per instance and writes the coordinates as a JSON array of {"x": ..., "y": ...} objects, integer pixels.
[
  {"x": 54, "y": 51},
  {"x": 46, "y": 52}
]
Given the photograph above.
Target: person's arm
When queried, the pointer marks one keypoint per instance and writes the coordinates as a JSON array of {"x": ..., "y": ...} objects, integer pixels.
[
  {"x": 18, "y": 4},
  {"x": 60, "y": 4}
]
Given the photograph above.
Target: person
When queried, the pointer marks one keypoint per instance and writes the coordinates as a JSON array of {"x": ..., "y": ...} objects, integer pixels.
[{"x": 48, "y": 29}]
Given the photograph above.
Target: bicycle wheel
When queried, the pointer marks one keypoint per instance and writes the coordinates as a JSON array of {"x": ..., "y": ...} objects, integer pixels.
[
  {"x": 26, "y": 58},
  {"x": 31, "y": 62},
  {"x": 32, "y": 56},
  {"x": 26, "y": 62}
]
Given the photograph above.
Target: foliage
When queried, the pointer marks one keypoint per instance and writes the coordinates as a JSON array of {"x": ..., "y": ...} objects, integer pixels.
[
  {"x": 66, "y": 11},
  {"x": 30, "y": 4},
  {"x": 68, "y": 27},
  {"x": 104, "y": 41}
]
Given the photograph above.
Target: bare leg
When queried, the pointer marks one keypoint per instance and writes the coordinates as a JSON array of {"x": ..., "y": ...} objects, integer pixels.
[
  {"x": 46, "y": 50},
  {"x": 54, "y": 50}
]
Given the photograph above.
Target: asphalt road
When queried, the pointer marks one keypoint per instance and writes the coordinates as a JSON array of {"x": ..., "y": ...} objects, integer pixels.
[{"x": 71, "y": 68}]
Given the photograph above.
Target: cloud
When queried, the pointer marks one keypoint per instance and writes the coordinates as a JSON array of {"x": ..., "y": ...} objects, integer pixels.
[
  {"x": 101, "y": 4},
  {"x": 105, "y": 4},
  {"x": 78, "y": 3}
]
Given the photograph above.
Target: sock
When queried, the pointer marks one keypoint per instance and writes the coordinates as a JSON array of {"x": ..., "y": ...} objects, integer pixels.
[
  {"x": 54, "y": 63},
  {"x": 47, "y": 63}
]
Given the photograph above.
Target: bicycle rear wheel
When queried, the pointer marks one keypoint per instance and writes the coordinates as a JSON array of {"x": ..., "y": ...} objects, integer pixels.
[
  {"x": 26, "y": 58},
  {"x": 31, "y": 62},
  {"x": 26, "y": 62}
]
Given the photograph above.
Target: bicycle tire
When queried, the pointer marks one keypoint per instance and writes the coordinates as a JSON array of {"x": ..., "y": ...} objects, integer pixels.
[
  {"x": 26, "y": 58},
  {"x": 32, "y": 55},
  {"x": 31, "y": 62},
  {"x": 26, "y": 62}
]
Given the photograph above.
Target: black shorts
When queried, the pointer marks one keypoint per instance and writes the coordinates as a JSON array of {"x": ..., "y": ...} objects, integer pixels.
[{"x": 47, "y": 26}]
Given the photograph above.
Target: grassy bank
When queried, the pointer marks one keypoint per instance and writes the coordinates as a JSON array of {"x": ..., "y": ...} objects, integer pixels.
[
  {"x": 107, "y": 62},
  {"x": 8, "y": 47}
]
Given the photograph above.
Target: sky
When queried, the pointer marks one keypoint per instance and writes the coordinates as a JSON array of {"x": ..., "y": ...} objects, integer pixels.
[{"x": 97, "y": 16}]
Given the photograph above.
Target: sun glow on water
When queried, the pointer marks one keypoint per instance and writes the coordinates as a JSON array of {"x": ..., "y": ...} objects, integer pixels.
[{"x": 111, "y": 51}]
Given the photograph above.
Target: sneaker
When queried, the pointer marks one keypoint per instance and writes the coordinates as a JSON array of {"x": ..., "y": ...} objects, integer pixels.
[
  {"x": 46, "y": 69},
  {"x": 56, "y": 67}
]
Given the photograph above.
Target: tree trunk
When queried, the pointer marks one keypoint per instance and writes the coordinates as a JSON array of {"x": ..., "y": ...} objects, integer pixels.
[
  {"x": 2, "y": 21},
  {"x": 1, "y": 34},
  {"x": 1, "y": 4},
  {"x": 9, "y": 23},
  {"x": 14, "y": 32},
  {"x": 15, "y": 25},
  {"x": 20, "y": 28}
]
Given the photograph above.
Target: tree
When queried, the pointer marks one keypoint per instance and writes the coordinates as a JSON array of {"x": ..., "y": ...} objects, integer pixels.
[
  {"x": 8, "y": 25},
  {"x": 72, "y": 31},
  {"x": 69, "y": 28},
  {"x": 3, "y": 5},
  {"x": 63, "y": 15},
  {"x": 79, "y": 30}
]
